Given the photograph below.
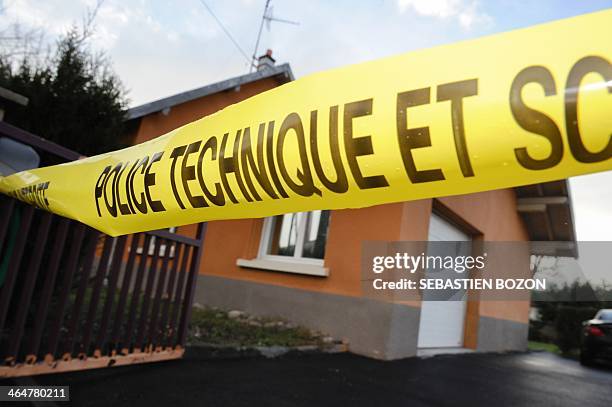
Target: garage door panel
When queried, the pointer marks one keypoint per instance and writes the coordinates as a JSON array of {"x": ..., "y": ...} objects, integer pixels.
[
  {"x": 444, "y": 328},
  {"x": 442, "y": 321}
]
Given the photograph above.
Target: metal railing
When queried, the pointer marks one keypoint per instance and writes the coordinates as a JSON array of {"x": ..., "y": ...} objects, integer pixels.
[{"x": 74, "y": 298}]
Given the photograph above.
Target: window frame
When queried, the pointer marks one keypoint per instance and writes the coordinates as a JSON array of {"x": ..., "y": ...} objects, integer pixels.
[
  {"x": 266, "y": 235},
  {"x": 285, "y": 264}
]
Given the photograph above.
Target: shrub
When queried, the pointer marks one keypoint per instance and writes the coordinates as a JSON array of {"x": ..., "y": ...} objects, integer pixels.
[{"x": 568, "y": 324}]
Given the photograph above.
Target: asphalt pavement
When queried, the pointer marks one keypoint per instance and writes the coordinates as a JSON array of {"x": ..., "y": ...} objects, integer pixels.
[{"x": 520, "y": 379}]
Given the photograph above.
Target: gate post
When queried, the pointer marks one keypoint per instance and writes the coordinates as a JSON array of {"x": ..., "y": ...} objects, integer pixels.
[{"x": 196, "y": 258}]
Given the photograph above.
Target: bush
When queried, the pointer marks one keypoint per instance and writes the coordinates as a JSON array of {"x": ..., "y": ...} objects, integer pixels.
[
  {"x": 215, "y": 327},
  {"x": 568, "y": 324}
]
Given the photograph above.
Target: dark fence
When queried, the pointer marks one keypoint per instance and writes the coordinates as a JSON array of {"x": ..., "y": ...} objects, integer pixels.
[{"x": 74, "y": 298}]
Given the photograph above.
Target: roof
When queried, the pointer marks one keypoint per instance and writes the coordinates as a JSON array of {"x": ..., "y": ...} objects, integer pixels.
[
  {"x": 283, "y": 72},
  {"x": 547, "y": 211}
]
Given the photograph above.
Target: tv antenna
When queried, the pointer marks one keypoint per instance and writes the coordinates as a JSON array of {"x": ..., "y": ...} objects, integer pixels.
[{"x": 267, "y": 19}]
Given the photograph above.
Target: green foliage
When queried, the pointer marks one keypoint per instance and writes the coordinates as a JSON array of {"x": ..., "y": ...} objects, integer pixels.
[
  {"x": 75, "y": 98},
  {"x": 568, "y": 324},
  {"x": 562, "y": 311},
  {"x": 215, "y": 327},
  {"x": 542, "y": 346}
]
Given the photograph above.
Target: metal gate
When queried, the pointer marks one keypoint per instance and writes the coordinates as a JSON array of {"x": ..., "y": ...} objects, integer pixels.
[{"x": 73, "y": 298}]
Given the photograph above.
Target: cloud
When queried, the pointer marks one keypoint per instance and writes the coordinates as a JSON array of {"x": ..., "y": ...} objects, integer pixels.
[
  {"x": 54, "y": 18},
  {"x": 466, "y": 13},
  {"x": 591, "y": 195}
]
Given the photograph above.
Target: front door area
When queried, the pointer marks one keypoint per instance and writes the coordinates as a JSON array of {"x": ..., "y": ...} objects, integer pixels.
[{"x": 442, "y": 322}]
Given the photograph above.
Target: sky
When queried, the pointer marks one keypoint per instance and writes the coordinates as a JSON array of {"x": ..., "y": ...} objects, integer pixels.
[{"x": 159, "y": 48}]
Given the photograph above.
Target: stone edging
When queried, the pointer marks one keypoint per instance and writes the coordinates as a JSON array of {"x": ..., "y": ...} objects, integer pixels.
[{"x": 215, "y": 352}]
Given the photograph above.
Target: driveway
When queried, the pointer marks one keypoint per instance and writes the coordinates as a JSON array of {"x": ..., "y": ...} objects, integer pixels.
[{"x": 533, "y": 379}]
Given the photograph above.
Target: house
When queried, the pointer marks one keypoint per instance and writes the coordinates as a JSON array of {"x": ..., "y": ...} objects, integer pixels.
[{"x": 306, "y": 267}]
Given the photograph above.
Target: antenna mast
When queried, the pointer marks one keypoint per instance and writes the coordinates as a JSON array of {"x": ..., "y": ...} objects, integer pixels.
[{"x": 267, "y": 17}]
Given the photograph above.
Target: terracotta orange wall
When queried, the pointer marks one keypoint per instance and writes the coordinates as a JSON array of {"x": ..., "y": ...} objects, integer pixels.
[
  {"x": 492, "y": 213},
  {"x": 227, "y": 241},
  {"x": 157, "y": 124}
]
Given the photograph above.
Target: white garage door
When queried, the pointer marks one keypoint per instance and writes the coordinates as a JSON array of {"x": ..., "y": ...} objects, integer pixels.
[{"x": 441, "y": 324}]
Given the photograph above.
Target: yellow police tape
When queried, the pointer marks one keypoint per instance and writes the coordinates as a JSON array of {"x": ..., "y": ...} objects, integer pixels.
[{"x": 523, "y": 107}]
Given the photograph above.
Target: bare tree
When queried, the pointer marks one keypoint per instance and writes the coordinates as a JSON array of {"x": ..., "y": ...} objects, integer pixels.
[
  {"x": 540, "y": 264},
  {"x": 18, "y": 43},
  {"x": 88, "y": 27}
]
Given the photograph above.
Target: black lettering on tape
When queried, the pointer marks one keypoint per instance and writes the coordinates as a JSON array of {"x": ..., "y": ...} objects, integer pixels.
[
  {"x": 535, "y": 121},
  {"x": 231, "y": 165},
  {"x": 149, "y": 181},
  {"x": 590, "y": 64},
  {"x": 259, "y": 168},
  {"x": 129, "y": 186},
  {"x": 359, "y": 146},
  {"x": 306, "y": 186},
  {"x": 218, "y": 198},
  {"x": 455, "y": 92},
  {"x": 412, "y": 138},
  {"x": 124, "y": 208},
  {"x": 341, "y": 183},
  {"x": 176, "y": 153},
  {"x": 112, "y": 205},
  {"x": 99, "y": 189},
  {"x": 188, "y": 174},
  {"x": 142, "y": 204},
  {"x": 270, "y": 159}
]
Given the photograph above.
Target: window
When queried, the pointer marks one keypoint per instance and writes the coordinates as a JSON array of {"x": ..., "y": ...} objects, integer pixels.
[
  {"x": 604, "y": 315},
  {"x": 295, "y": 236},
  {"x": 294, "y": 242},
  {"x": 162, "y": 247}
]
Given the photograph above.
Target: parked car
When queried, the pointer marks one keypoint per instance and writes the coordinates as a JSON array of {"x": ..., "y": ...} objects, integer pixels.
[{"x": 596, "y": 340}]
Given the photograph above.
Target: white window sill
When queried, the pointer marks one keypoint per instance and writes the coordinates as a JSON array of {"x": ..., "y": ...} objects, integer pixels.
[{"x": 285, "y": 266}]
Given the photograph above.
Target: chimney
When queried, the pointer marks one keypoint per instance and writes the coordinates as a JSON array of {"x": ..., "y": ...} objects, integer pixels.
[{"x": 265, "y": 61}]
